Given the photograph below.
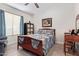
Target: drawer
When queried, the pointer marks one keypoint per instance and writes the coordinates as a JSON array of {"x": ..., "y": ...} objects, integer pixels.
[
  {"x": 76, "y": 38},
  {"x": 68, "y": 38}
]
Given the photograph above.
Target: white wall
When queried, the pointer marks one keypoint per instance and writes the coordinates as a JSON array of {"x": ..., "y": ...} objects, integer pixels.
[
  {"x": 62, "y": 19},
  {"x": 76, "y": 9}
]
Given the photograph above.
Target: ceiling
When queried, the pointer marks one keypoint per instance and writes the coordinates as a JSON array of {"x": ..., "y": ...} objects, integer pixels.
[{"x": 31, "y": 8}]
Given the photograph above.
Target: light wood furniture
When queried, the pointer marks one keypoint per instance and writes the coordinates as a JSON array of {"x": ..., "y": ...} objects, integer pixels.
[{"x": 69, "y": 43}]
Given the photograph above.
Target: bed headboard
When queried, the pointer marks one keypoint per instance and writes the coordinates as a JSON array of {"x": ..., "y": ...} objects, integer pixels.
[
  {"x": 45, "y": 31},
  {"x": 51, "y": 31}
]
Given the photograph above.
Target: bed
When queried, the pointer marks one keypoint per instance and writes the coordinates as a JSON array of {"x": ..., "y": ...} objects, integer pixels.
[{"x": 39, "y": 43}]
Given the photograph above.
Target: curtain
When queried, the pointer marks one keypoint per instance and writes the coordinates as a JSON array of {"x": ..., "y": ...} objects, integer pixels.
[
  {"x": 21, "y": 25},
  {"x": 2, "y": 23}
]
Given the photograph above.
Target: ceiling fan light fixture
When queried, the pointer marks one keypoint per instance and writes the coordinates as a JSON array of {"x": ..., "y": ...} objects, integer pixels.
[
  {"x": 37, "y": 6},
  {"x": 26, "y": 3}
]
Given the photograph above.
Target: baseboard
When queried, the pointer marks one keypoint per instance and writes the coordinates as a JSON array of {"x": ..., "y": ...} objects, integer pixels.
[
  {"x": 11, "y": 43},
  {"x": 58, "y": 42}
]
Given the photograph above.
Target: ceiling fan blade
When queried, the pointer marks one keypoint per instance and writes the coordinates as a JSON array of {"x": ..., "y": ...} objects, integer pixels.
[
  {"x": 37, "y": 6},
  {"x": 26, "y": 4}
]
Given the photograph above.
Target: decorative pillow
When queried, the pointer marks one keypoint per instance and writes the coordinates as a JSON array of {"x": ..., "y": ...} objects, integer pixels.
[{"x": 45, "y": 31}]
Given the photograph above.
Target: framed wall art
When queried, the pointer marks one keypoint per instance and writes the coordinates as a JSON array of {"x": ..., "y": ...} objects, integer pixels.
[{"x": 47, "y": 22}]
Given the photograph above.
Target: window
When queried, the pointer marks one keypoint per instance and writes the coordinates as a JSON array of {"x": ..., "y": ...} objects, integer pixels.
[
  {"x": 12, "y": 24},
  {"x": 16, "y": 25}
]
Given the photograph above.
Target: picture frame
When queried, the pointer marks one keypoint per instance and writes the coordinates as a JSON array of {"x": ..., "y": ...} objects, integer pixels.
[{"x": 47, "y": 22}]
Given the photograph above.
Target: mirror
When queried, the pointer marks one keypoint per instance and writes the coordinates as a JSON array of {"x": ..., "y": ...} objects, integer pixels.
[
  {"x": 77, "y": 22},
  {"x": 77, "y": 30}
]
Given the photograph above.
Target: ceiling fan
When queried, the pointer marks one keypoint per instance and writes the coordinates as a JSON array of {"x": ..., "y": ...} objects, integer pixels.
[{"x": 37, "y": 6}]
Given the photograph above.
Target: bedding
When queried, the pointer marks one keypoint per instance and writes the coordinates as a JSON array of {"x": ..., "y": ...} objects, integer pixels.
[
  {"x": 35, "y": 43},
  {"x": 47, "y": 41}
]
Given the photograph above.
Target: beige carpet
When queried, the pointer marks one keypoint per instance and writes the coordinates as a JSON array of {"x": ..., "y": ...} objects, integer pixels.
[{"x": 11, "y": 50}]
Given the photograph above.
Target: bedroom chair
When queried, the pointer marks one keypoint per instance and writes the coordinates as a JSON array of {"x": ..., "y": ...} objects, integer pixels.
[
  {"x": 3, "y": 41},
  {"x": 68, "y": 44}
]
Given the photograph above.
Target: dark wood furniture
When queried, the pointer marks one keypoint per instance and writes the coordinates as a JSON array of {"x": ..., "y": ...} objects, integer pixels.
[
  {"x": 69, "y": 43},
  {"x": 28, "y": 28},
  {"x": 27, "y": 45}
]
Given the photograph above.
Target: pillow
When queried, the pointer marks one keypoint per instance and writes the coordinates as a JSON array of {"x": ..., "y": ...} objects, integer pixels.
[{"x": 48, "y": 34}]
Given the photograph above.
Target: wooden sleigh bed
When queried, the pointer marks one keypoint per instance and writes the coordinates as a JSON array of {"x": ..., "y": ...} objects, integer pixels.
[{"x": 27, "y": 43}]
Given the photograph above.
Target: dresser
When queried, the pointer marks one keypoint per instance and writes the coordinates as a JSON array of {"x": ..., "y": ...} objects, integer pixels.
[{"x": 69, "y": 42}]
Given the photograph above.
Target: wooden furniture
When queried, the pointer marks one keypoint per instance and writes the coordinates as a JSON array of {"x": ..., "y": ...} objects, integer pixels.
[
  {"x": 28, "y": 28},
  {"x": 27, "y": 45},
  {"x": 69, "y": 43}
]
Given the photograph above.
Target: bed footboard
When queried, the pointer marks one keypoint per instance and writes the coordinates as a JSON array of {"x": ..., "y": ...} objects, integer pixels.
[{"x": 27, "y": 45}]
